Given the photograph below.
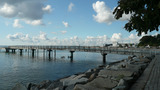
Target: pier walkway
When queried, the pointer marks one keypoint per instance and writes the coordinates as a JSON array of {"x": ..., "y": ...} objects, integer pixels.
[
  {"x": 150, "y": 79},
  {"x": 96, "y": 49}
]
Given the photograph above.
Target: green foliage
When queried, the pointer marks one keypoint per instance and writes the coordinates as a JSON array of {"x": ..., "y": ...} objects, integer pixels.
[
  {"x": 145, "y": 14},
  {"x": 150, "y": 40}
]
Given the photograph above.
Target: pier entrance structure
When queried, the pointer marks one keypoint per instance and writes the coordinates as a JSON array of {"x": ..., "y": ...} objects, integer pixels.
[{"x": 97, "y": 49}]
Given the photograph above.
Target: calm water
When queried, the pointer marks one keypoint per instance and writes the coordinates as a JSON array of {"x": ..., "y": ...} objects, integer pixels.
[{"x": 15, "y": 68}]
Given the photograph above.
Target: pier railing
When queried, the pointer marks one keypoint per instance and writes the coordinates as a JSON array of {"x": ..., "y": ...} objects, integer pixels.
[{"x": 97, "y": 49}]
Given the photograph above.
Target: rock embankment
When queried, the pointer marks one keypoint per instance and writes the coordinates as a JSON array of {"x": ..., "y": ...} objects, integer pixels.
[{"x": 116, "y": 76}]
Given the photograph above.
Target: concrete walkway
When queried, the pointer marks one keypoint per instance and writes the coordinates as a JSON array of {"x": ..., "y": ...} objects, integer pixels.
[{"x": 150, "y": 79}]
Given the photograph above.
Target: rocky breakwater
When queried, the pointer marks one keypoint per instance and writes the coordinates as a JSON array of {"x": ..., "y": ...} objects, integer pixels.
[{"x": 116, "y": 76}]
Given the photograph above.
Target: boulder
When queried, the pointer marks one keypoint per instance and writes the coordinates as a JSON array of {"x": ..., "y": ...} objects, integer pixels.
[
  {"x": 120, "y": 88},
  {"x": 115, "y": 73},
  {"x": 70, "y": 87},
  {"x": 93, "y": 76},
  {"x": 44, "y": 84},
  {"x": 145, "y": 60},
  {"x": 101, "y": 83},
  {"x": 19, "y": 86},
  {"x": 87, "y": 87},
  {"x": 55, "y": 84},
  {"x": 73, "y": 80},
  {"x": 122, "y": 82}
]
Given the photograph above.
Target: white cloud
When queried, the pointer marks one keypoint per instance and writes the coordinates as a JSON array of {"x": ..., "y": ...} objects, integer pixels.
[
  {"x": 42, "y": 39},
  {"x": 116, "y": 37},
  {"x": 47, "y": 8},
  {"x": 63, "y": 32},
  {"x": 29, "y": 10},
  {"x": 7, "y": 10},
  {"x": 16, "y": 24},
  {"x": 65, "y": 24},
  {"x": 70, "y": 6},
  {"x": 34, "y": 22},
  {"x": 19, "y": 36},
  {"x": 104, "y": 14}
]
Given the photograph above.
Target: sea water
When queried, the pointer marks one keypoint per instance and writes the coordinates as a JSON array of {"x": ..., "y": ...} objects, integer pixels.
[{"x": 24, "y": 68}]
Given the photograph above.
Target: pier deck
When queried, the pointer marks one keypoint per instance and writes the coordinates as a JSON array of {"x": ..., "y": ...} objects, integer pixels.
[{"x": 150, "y": 79}]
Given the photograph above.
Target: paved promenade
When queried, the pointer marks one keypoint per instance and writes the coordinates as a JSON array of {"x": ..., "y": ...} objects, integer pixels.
[{"x": 150, "y": 79}]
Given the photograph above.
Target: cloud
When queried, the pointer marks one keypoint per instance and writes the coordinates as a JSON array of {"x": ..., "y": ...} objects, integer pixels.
[
  {"x": 34, "y": 22},
  {"x": 19, "y": 36},
  {"x": 104, "y": 14},
  {"x": 16, "y": 24},
  {"x": 70, "y": 6},
  {"x": 47, "y": 8},
  {"x": 116, "y": 37},
  {"x": 65, "y": 24},
  {"x": 43, "y": 39},
  {"x": 63, "y": 32},
  {"x": 7, "y": 10},
  {"x": 31, "y": 10}
]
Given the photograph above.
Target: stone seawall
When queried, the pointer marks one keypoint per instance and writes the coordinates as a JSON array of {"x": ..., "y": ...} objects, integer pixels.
[{"x": 116, "y": 76}]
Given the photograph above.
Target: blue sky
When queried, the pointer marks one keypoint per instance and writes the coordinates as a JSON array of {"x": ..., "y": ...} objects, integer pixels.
[{"x": 62, "y": 22}]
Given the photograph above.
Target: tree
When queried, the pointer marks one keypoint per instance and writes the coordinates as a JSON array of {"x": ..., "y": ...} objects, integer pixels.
[
  {"x": 145, "y": 14},
  {"x": 150, "y": 40}
]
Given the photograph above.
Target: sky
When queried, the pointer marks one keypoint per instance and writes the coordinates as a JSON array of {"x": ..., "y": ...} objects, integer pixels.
[{"x": 63, "y": 22}]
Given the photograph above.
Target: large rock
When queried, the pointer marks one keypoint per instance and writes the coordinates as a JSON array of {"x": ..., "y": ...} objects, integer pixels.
[
  {"x": 56, "y": 84},
  {"x": 44, "y": 84},
  {"x": 115, "y": 73},
  {"x": 87, "y": 87},
  {"x": 19, "y": 86},
  {"x": 145, "y": 60},
  {"x": 98, "y": 83},
  {"x": 74, "y": 79}
]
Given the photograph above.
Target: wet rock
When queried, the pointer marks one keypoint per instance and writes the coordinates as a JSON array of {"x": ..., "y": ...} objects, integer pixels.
[
  {"x": 100, "y": 82},
  {"x": 19, "y": 86},
  {"x": 44, "y": 84},
  {"x": 70, "y": 87},
  {"x": 31, "y": 86},
  {"x": 93, "y": 76},
  {"x": 107, "y": 67},
  {"x": 122, "y": 82},
  {"x": 87, "y": 87},
  {"x": 73, "y": 80},
  {"x": 55, "y": 84},
  {"x": 125, "y": 72},
  {"x": 120, "y": 88},
  {"x": 145, "y": 60}
]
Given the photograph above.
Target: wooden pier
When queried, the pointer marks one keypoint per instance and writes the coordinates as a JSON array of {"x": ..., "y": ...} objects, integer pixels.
[{"x": 97, "y": 49}]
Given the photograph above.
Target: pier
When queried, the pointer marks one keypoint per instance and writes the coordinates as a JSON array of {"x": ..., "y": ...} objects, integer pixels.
[{"x": 97, "y": 49}]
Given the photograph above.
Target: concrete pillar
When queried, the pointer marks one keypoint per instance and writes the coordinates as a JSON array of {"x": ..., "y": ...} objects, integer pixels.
[
  {"x": 49, "y": 53},
  {"x": 104, "y": 57},
  {"x": 72, "y": 55},
  {"x": 7, "y": 50},
  {"x": 13, "y": 50},
  {"x": 21, "y": 50},
  {"x": 33, "y": 52}
]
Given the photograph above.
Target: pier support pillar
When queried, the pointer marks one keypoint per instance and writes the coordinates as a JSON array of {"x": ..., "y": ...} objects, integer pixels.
[
  {"x": 21, "y": 51},
  {"x": 13, "y": 50},
  {"x": 33, "y": 52},
  {"x": 49, "y": 53},
  {"x": 104, "y": 57},
  {"x": 72, "y": 55},
  {"x": 7, "y": 50}
]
